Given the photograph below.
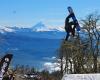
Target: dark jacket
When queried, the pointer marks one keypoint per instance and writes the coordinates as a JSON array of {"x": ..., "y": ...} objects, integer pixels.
[{"x": 68, "y": 25}]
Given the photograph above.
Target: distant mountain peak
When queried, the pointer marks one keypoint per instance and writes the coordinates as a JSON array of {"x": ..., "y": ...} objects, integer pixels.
[{"x": 40, "y": 26}]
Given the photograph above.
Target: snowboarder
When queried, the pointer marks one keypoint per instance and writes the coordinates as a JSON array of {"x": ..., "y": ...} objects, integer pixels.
[{"x": 70, "y": 26}]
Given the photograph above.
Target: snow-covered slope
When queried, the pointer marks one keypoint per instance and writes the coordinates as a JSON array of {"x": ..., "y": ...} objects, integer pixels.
[
  {"x": 6, "y": 29},
  {"x": 81, "y": 77}
]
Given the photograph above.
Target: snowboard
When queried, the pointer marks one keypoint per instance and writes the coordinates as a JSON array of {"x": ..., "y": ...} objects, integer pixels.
[
  {"x": 72, "y": 15},
  {"x": 4, "y": 64}
]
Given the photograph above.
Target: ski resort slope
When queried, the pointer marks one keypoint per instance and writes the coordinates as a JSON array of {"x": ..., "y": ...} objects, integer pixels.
[{"x": 81, "y": 77}]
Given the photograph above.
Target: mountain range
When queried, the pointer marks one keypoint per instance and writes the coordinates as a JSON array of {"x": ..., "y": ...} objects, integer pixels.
[{"x": 39, "y": 27}]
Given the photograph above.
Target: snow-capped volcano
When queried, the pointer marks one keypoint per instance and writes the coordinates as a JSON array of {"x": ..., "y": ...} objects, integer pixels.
[{"x": 42, "y": 27}]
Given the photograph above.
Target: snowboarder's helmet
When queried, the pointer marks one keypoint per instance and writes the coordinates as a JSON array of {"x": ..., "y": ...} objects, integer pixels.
[{"x": 70, "y": 9}]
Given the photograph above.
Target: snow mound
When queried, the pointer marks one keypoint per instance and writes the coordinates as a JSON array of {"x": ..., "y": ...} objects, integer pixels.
[{"x": 81, "y": 77}]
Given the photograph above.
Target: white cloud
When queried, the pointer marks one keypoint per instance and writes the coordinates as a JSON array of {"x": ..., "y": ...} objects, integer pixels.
[
  {"x": 53, "y": 57},
  {"x": 51, "y": 67},
  {"x": 49, "y": 58}
]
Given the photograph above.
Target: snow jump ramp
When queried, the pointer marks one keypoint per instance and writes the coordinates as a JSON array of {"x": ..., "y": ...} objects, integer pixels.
[{"x": 81, "y": 77}]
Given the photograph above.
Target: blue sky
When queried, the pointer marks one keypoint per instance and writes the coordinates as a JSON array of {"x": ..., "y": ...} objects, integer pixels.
[{"x": 51, "y": 12}]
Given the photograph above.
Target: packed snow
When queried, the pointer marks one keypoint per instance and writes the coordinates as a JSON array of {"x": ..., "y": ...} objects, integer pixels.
[{"x": 81, "y": 77}]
